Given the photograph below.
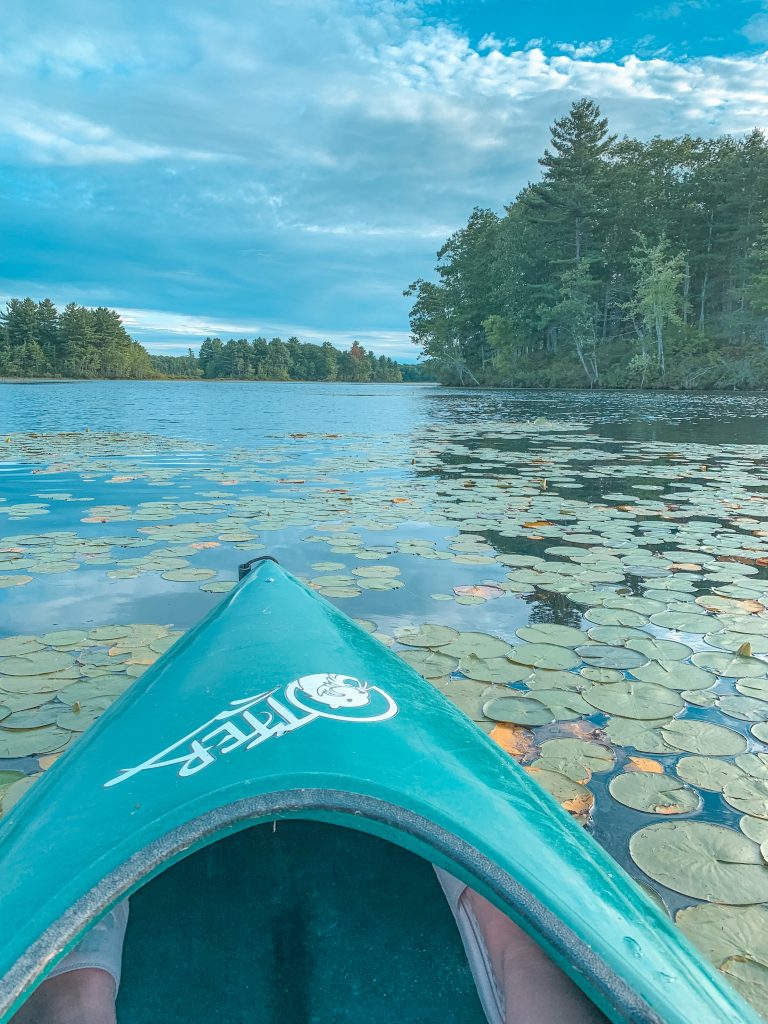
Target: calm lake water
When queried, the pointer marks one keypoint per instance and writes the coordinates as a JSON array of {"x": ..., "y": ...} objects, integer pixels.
[{"x": 119, "y": 501}]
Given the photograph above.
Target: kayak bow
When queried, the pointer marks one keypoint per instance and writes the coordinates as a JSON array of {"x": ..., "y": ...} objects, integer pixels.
[{"x": 277, "y": 706}]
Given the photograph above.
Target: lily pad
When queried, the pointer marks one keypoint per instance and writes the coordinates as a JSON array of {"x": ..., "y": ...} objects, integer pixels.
[
  {"x": 707, "y": 772},
  {"x": 630, "y": 699},
  {"x": 430, "y": 664},
  {"x": 427, "y": 635},
  {"x": 190, "y": 575},
  {"x": 605, "y": 656},
  {"x": 674, "y": 675},
  {"x": 33, "y": 741},
  {"x": 735, "y": 940},
  {"x": 34, "y": 664},
  {"x": 654, "y": 793},
  {"x": 746, "y": 709},
  {"x": 546, "y": 656},
  {"x": 518, "y": 710},
  {"x": 549, "y": 633},
  {"x": 755, "y": 828},
  {"x": 729, "y": 665},
  {"x": 707, "y": 862},
  {"x": 698, "y": 737},
  {"x": 492, "y": 670},
  {"x": 482, "y": 645},
  {"x": 573, "y": 796},
  {"x": 748, "y": 795},
  {"x": 643, "y": 736},
  {"x": 660, "y": 650},
  {"x": 593, "y": 756}
]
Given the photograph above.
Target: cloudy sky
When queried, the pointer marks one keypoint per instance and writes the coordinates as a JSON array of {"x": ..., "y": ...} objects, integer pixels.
[{"x": 289, "y": 166}]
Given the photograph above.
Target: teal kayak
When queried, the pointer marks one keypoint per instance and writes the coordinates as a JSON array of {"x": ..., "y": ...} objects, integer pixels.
[{"x": 272, "y": 794}]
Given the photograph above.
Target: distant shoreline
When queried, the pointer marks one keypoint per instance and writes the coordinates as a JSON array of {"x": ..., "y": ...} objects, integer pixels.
[
  {"x": 205, "y": 380},
  {"x": 405, "y": 383}
]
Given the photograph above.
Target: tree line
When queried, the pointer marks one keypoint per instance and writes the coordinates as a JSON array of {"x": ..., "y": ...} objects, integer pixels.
[
  {"x": 628, "y": 264},
  {"x": 36, "y": 340}
]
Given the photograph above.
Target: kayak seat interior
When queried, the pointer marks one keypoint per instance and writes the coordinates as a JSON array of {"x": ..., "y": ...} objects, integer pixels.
[{"x": 299, "y": 922}]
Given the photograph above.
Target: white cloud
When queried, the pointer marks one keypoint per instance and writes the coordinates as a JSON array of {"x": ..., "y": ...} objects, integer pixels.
[
  {"x": 339, "y": 137},
  {"x": 756, "y": 29},
  {"x": 167, "y": 333},
  {"x": 580, "y": 50}
]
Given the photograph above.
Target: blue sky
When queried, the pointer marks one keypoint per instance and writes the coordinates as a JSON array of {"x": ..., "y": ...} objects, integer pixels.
[{"x": 288, "y": 166}]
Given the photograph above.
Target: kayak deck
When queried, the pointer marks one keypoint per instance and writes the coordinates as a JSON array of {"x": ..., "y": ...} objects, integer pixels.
[{"x": 297, "y": 922}]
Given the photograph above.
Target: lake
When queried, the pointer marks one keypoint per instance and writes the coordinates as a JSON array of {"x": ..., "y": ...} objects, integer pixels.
[{"x": 594, "y": 565}]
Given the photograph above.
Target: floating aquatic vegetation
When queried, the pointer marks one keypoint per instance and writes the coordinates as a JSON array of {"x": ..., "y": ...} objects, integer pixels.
[
  {"x": 650, "y": 599},
  {"x": 707, "y": 862}
]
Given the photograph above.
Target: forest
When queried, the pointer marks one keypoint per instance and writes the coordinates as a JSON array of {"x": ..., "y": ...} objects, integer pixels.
[
  {"x": 36, "y": 340},
  {"x": 628, "y": 264}
]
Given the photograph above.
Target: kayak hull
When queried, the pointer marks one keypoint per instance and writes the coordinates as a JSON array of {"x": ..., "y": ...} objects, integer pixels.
[{"x": 279, "y": 706}]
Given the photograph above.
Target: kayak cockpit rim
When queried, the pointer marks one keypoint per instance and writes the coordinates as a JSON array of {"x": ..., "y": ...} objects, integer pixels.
[{"x": 404, "y": 828}]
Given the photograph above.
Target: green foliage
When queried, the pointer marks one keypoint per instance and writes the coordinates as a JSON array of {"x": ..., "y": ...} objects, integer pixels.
[
  {"x": 38, "y": 341},
  {"x": 628, "y": 264},
  {"x": 286, "y": 360}
]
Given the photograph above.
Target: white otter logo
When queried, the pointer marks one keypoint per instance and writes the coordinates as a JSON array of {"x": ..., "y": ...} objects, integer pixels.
[
  {"x": 335, "y": 691},
  {"x": 272, "y": 714}
]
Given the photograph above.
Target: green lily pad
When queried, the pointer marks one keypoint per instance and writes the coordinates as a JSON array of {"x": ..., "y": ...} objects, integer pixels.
[
  {"x": 755, "y": 828},
  {"x": 755, "y": 687},
  {"x": 615, "y": 635},
  {"x": 748, "y": 795},
  {"x": 660, "y": 650},
  {"x": 82, "y": 715},
  {"x": 219, "y": 586},
  {"x": 565, "y": 705},
  {"x": 546, "y": 679},
  {"x": 25, "y": 743},
  {"x": 729, "y": 664},
  {"x": 19, "y": 645},
  {"x": 427, "y": 635},
  {"x": 64, "y": 638},
  {"x": 746, "y": 709},
  {"x": 760, "y": 731},
  {"x": 21, "y": 580},
  {"x": 644, "y": 736},
  {"x": 605, "y": 656},
  {"x": 707, "y": 862},
  {"x": 654, "y": 793},
  {"x": 492, "y": 670},
  {"x": 518, "y": 710},
  {"x": 707, "y": 772},
  {"x": 601, "y": 675},
  {"x": 549, "y": 633},
  {"x": 546, "y": 656},
  {"x": 105, "y": 634},
  {"x": 430, "y": 664},
  {"x": 89, "y": 689},
  {"x": 34, "y": 718},
  {"x": 674, "y": 675},
  {"x": 735, "y": 940},
  {"x": 603, "y": 616},
  {"x": 697, "y": 737},
  {"x": 16, "y": 791},
  {"x": 34, "y": 664},
  {"x": 190, "y": 575},
  {"x": 630, "y": 699},
  {"x": 482, "y": 645},
  {"x": 592, "y": 756},
  {"x": 683, "y": 621},
  {"x": 563, "y": 789}
]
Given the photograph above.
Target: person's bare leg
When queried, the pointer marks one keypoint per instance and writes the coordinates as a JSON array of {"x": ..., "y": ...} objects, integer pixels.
[
  {"x": 85, "y": 996},
  {"x": 535, "y": 990}
]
